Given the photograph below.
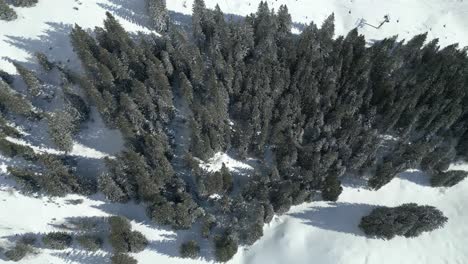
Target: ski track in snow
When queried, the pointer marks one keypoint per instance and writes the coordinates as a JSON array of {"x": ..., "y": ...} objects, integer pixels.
[{"x": 318, "y": 232}]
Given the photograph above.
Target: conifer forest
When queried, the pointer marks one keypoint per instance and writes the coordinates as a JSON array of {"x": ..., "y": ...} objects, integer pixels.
[{"x": 308, "y": 111}]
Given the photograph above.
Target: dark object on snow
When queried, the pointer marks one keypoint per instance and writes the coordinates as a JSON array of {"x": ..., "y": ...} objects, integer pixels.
[{"x": 409, "y": 220}]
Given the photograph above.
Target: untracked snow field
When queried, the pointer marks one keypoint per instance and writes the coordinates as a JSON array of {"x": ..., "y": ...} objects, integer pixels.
[{"x": 318, "y": 232}]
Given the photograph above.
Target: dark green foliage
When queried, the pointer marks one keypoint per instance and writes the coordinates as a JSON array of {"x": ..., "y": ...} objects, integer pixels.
[
  {"x": 158, "y": 14},
  {"x": 189, "y": 249},
  {"x": 90, "y": 242},
  {"x": 60, "y": 129},
  {"x": 7, "y": 129},
  {"x": 44, "y": 61},
  {"x": 13, "y": 102},
  {"x": 57, "y": 240},
  {"x": 11, "y": 149},
  {"x": 309, "y": 107},
  {"x": 24, "y": 3},
  {"x": 180, "y": 214},
  {"x": 6, "y": 77},
  {"x": 122, "y": 238},
  {"x": 121, "y": 258},
  {"x": 54, "y": 177},
  {"x": 448, "y": 179},
  {"x": 332, "y": 188},
  {"x": 409, "y": 220},
  {"x": 209, "y": 222},
  {"x": 225, "y": 248},
  {"x": 7, "y": 13},
  {"x": 18, "y": 252},
  {"x": 32, "y": 82}
]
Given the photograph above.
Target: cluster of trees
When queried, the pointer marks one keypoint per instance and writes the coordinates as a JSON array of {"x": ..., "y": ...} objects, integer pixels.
[
  {"x": 409, "y": 220},
  {"x": 90, "y": 234},
  {"x": 320, "y": 104},
  {"x": 7, "y": 13},
  {"x": 122, "y": 238}
]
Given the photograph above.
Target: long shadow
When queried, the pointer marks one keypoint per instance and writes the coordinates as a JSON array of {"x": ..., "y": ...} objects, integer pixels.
[
  {"x": 132, "y": 11},
  {"x": 55, "y": 43},
  {"x": 339, "y": 217},
  {"x": 135, "y": 12},
  {"x": 415, "y": 176},
  {"x": 82, "y": 256}
]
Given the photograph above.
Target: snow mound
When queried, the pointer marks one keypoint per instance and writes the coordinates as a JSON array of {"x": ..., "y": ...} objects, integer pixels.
[
  {"x": 216, "y": 163},
  {"x": 78, "y": 150}
]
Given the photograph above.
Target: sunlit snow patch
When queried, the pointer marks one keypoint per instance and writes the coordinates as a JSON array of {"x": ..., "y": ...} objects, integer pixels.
[
  {"x": 216, "y": 163},
  {"x": 78, "y": 149}
]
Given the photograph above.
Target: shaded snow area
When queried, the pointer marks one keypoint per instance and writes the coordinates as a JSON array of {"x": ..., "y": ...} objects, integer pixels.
[
  {"x": 318, "y": 232},
  {"x": 327, "y": 233},
  {"x": 216, "y": 163}
]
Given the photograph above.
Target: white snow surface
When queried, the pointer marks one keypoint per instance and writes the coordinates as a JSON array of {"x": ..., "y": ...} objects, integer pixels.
[
  {"x": 78, "y": 149},
  {"x": 317, "y": 232},
  {"x": 216, "y": 163}
]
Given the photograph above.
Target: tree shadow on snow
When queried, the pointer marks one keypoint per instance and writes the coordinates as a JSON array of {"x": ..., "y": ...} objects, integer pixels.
[
  {"x": 415, "y": 176},
  {"x": 83, "y": 256},
  {"x": 55, "y": 43},
  {"x": 338, "y": 217},
  {"x": 132, "y": 11}
]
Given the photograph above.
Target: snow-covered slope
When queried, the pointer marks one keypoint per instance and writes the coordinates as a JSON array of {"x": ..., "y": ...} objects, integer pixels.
[{"x": 312, "y": 233}]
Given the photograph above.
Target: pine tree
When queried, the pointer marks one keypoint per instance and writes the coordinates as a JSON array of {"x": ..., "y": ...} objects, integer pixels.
[
  {"x": 32, "y": 82},
  {"x": 24, "y": 3},
  {"x": 6, "y": 12},
  {"x": 61, "y": 130},
  {"x": 158, "y": 14},
  {"x": 332, "y": 188}
]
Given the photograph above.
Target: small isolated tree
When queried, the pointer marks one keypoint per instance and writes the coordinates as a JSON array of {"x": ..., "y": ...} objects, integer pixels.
[
  {"x": 122, "y": 238},
  {"x": 190, "y": 249},
  {"x": 24, "y": 3},
  {"x": 57, "y": 240},
  {"x": 121, "y": 258},
  {"x": 448, "y": 179},
  {"x": 409, "y": 220},
  {"x": 225, "y": 248},
  {"x": 18, "y": 252},
  {"x": 90, "y": 242},
  {"x": 332, "y": 188},
  {"x": 7, "y": 13}
]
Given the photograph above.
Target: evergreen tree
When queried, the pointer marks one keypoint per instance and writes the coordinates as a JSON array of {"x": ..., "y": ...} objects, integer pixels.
[
  {"x": 409, "y": 220},
  {"x": 32, "y": 82},
  {"x": 60, "y": 129},
  {"x": 189, "y": 249},
  {"x": 7, "y": 13},
  {"x": 24, "y": 3},
  {"x": 158, "y": 14},
  {"x": 332, "y": 188}
]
